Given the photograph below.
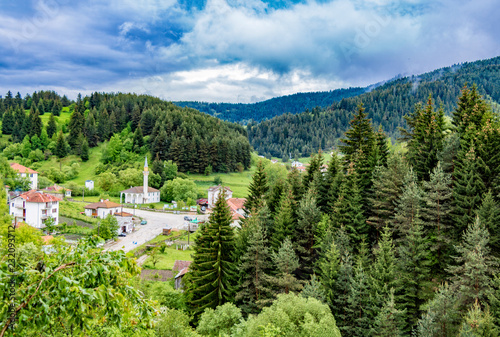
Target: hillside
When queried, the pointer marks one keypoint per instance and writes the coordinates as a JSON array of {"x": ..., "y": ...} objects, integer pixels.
[
  {"x": 243, "y": 113},
  {"x": 386, "y": 105}
]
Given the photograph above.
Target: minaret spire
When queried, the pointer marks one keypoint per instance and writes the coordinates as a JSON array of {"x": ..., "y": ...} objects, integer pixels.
[{"x": 145, "y": 181}]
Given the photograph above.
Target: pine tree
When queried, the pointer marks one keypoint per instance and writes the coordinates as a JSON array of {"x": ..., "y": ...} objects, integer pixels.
[
  {"x": 284, "y": 221},
  {"x": 138, "y": 141},
  {"x": 212, "y": 271},
  {"x": 425, "y": 138},
  {"x": 44, "y": 140},
  {"x": 441, "y": 317},
  {"x": 26, "y": 147},
  {"x": 103, "y": 127},
  {"x": 390, "y": 320},
  {"x": 295, "y": 182},
  {"x": 286, "y": 263},
  {"x": 489, "y": 215},
  {"x": 381, "y": 148},
  {"x": 474, "y": 267},
  {"x": 328, "y": 191},
  {"x": 160, "y": 147},
  {"x": 8, "y": 122},
  {"x": 479, "y": 323},
  {"x": 257, "y": 189},
  {"x": 90, "y": 129},
  {"x": 309, "y": 215},
  {"x": 51, "y": 126},
  {"x": 61, "y": 146},
  {"x": 437, "y": 212},
  {"x": 254, "y": 288},
  {"x": 136, "y": 117}
]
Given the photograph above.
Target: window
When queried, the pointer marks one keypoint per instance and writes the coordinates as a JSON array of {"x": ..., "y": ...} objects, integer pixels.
[{"x": 54, "y": 210}]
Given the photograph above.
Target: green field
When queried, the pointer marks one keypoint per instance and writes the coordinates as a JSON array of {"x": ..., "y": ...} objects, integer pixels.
[{"x": 168, "y": 258}]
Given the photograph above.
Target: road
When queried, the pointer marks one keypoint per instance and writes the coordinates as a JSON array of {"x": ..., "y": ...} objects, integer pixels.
[{"x": 156, "y": 222}]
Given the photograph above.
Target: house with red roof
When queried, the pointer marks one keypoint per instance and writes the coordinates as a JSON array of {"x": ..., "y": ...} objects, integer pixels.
[
  {"x": 237, "y": 209},
  {"x": 182, "y": 267},
  {"x": 213, "y": 194},
  {"x": 26, "y": 172},
  {"x": 34, "y": 208},
  {"x": 102, "y": 209}
]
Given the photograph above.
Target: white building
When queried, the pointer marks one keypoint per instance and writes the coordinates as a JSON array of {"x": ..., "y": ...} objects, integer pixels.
[
  {"x": 35, "y": 208},
  {"x": 213, "y": 194},
  {"x": 141, "y": 194},
  {"x": 102, "y": 209},
  {"x": 125, "y": 222},
  {"x": 24, "y": 172},
  {"x": 89, "y": 184},
  {"x": 297, "y": 164}
]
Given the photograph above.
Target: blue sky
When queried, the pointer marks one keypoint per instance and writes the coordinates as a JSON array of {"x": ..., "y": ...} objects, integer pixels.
[{"x": 234, "y": 50}]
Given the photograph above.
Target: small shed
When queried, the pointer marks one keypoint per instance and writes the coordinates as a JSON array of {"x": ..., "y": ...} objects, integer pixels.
[{"x": 167, "y": 230}]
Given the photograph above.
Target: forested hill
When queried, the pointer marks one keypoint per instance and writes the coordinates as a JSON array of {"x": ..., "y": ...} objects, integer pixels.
[
  {"x": 304, "y": 133},
  {"x": 243, "y": 113},
  {"x": 134, "y": 125}
]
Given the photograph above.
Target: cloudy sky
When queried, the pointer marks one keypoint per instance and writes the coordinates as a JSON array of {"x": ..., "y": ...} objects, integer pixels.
[{"x": 234, "y": 50}]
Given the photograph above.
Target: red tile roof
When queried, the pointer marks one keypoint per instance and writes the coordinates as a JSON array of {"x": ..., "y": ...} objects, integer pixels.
[
  {"x": 46, "y": 239},
  {"x": 34, "y": 196},
  {"x": 237, "y": 216},
  {"x": 217, "y": 188},
  {"x": 22, "y": 169},
  {"x": 123, "y": 214},
  {"x": 179, "y": 265},
  {"x": 182, "y": 272},
  {"x": 102, "y": 204},
  {"x": 236, "y": 203}
]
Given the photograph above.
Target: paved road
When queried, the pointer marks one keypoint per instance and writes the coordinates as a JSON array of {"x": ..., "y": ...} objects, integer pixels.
[{"x": 156, "y": 222}]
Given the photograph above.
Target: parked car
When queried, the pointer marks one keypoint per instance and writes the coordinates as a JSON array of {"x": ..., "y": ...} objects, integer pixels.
[
  {"x": 187, "y": 218},
  {"x": 122, "y": 234},
  {"x": 144, "y": 222}
]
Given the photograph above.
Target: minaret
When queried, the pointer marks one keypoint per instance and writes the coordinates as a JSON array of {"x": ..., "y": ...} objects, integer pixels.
[{"x": 145, "y": 181}]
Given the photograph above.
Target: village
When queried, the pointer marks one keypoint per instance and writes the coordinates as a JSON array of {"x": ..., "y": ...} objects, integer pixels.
[{"x": 139, "y": 228}]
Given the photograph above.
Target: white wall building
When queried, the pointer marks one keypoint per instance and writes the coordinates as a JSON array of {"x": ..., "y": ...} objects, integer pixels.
[
  {"x": 24, "y": 172},
  {"x": 35, "y": 208},
  {"x": 141, "y": 194},
  {"x": 213, "y": 194},
  {"x": 102, "y": 209},
  {"x": 89, "y": 184}
]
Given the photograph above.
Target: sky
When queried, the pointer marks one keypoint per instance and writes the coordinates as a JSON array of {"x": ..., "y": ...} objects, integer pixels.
[{"x": 240, "y": 51}]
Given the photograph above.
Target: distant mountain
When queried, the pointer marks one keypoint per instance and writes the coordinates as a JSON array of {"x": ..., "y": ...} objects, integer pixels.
[
  {"x": 386, "y": 105},
  {"x": 243, "y": 113}
]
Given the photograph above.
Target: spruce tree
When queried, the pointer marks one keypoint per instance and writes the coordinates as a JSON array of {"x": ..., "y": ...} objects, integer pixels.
[
  {"x": 8, "y": 122},
  {"x": 328, "y": 191},
  {"x": 136, "y": 117},
  {"x": 383, "y": 271},
  {"x": 138, "y": 141},
  {"x": 414, "y": 274},
  {"x": 470, "y": 110},
  {"x": 61, "y": 146},
  {"x": 36, "y": 124},
  {"x": 254, "y": 288},
  {"x": 409, "y": 207},
  {"x": 294, "y": 180},
  {"x": 284, "y": 221},
  {"x": 387, "y": 188},
  {"x": 103, "y": 127},
  {"x": 329, "y": 266},
  {"x": 348, "y": 209},
  {"x": 212, "y": 271},
  {"x": 468, "y": 188},
  {"x": 286, "y": 262},
  {"x": 474, "y": 267},
  {"x": 309, "y": 215},
  {"x": 358, "y": 148},
  {"x": 390, "y": 321},
  {"x": 75, "y": 126},
  {"x": 90, "y": 129},
  {"x": 489, "y": 215},
  {"x": 257, "y": 189},
  {"x": 425, "y": 138},
  {"x": 360, "y": 320},
  {"x": 312, "y": 169},
  {"x": 51, "y": 126},
  {"x": 381, "y": 153},
  {"x": 479, "y": 323},
  {"x": 314, "y": 289},
  {"x": 438, "y": 198},
  {"x": 84, "y": 152}
]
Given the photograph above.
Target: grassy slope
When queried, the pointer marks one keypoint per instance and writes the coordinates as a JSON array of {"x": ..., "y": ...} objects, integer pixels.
[{"x": 62, "y": 119}]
